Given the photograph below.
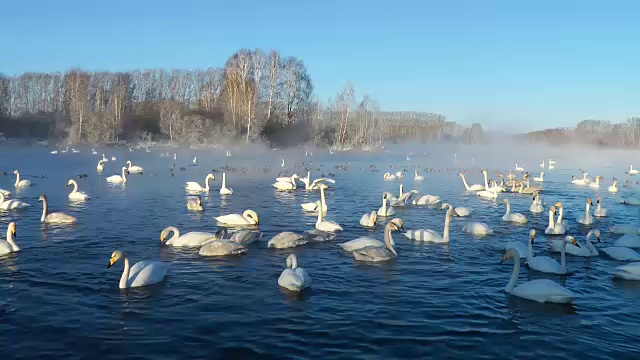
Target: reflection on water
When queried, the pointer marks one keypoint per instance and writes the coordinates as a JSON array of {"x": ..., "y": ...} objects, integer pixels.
[{"x": 433, "y": 301}]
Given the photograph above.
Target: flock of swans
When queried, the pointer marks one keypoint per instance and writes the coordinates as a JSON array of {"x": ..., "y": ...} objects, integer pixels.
[{"x": 238, "y": 231}]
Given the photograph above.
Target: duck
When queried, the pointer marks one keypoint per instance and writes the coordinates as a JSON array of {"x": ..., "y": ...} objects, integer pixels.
[
  {"x": 512, "y": 217},
  {"x": 9, "y": 245},
  {"x": 143, "y": 273},
  {"x": 381, "y": 253},
  {"x": 54, "y": 218},
  {"x": 294, "y": 278},
  {"x": 584, "y": 251}
]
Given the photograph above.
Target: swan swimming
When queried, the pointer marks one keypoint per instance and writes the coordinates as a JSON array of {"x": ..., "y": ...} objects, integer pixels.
[
  {"x": 426, "y": 200},
  {"x": 586, "y": 219},
  {"x": 540, "y": 290},
  {"x": 369, "y": 220},
  {"x": 100, "y": 166},
  {"x": 287, "y": 239},
  {"x": 222, "y": 247},
  {"x": 628, "y": 271},
  {"x": 632, "y": 171},
  {"x": 587, "y": 251},
  {"x": 477, "y": 228},
  {"x": 20, "y": 183},
  {"x": 248, "y": 217},
  {"x": 474, "y": 187},
  {"x": 54, "y": 218},
  {"x": 621, "y": 253},
  {"x": 523, "y": 250},
  {"x": 628, "y": 240},
  {"x": 325, "y": 225},
  {"x": 417, "y": 177},
  {"x": 381, "y": 253},
  {"x": 512, "y": 217},
  {"x": 190, "y": 239},
  {"x": 195, "y": 204},
  {"x": 539, "y": 178},
  {"x": 286, "y": 185},
  {"x": 552, "y": 228},
  {"x": 536, "y": 205},
  {"x": 134, "y": 169},
  {"x": 294, "y": 278},
  {"x": 459, "y": 211},
  {"x": 9, "y": 246},
  {"x": 595, "y": 184},
  {"x": 614, "y": 187},
  {"x": 385, "y": 211},
  {"x": 224, "y": 190},
  {"x": 580, "y": 182},
  {"x": 195, "y": 187},
  {"x": 315, "y": 206},
  {"x": 389, "y": 177},
  {"x": 11, "y": 204},
  {"x": 145, "y": 272},
  {"x": 76, "y": 195},
  {"x": 118, "y": 179},
  {"x": 549, "y": 265},
  {"x": 599, "y": 211},
  {"x": 428, "y": 235}
]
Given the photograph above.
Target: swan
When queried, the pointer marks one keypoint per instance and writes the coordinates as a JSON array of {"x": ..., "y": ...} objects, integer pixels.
[
  {"x": 427, "y": 200},
  {"x": 587, "y": 251},
  {"x": 595, "y": 184},
  {"x": 118, "y": 179},
  {"x": 628, "y": 271},
  {"x": 54, "y": 218},
  {"x": 536, "y": 205},
  {"x": 289, "y": 184},
  {"x": 512, "y": 217},
  {"x": 586, "y": 219},
  {"x": 490, "y": 187},
  {"x": 228, "y": 153},
  {"x": 404, "y": 197},
  {"x": 614, "y": 187},
  {"x": 621, "y": 253},
  {"x": 195, "y": 187},
  {"x": 540, "y": 290},
  {"x": 94, "y": 152},
  {"x": 399, "y": 175},
  {"x": 523, "y": 250},
  {"x": 628, "y": 240},
  {"x": 20, "y": 183},
  {"x": 315, "y": 184},
  {"x": 195, "y": 204},
  {"x": 316, "y": 205},
  {"x": 369, "y": 220},
  {"x": 526, "y": 190},
  {"x": 292, "y": 179},
  {"x": 5, "y": 192},
  {"x": 474, "y": 187},
  {"x": 65, "y": 150},
  {"x": 625, "y": 229},
  {"x": 9, "y": 246},
  {"x": 54, "y": 152},
  {"x": 287, "y": 239},
  {"x": 553, "y": 228},
  {"x": 429, "y": 235},
  {"x": 477, "y": 228},
  {"x": 326, "y": 225},
  {"x": 632, "y": 171},
  {"x": 190, "y": 239},
  {"x": 519, "y": 168},
  {"x": 542, "y": 164},
  {"x": 76, "y": 195},
  {"x": 539, "y": 178},
  {"x": 134, "y": 169},
  {"x": 248, "y": 217},
  {"x": 224, "y": 190},
  {"x": 599, "y": 211},
  {"x": 559, "y": 222},
  {"x": 113, "y": 158},
  {"x": 145, "y": 272},
  {"x": 580, "y": 182},
  {"x": 175, "y": 156},
  {"x": 245, "y": 237},
  {"x": 459, "y": 211},
  {"x": 294, "y": 278},
  {"x": 488, "y": 194},
  {"x": 549, "y": 265},
  {"x": 282, "y": 165},
  {"x": 104, "y": 158},
  {"x": 416, "y": 176},
  {"x": 11, "y": 204},
  {"x": 75, "y": 151},
  {"x": 381, "y": 253},
  {"x": 222, "y": 247},
  {"x": 100, "y": 166},
  {"x": 389, "y": 177},
  {"x": 194, "y": 161},
  {"x": 385, "y": 211}
]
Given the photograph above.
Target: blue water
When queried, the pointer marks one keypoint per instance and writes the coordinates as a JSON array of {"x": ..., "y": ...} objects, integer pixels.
[{"x": 434, "y": 301}]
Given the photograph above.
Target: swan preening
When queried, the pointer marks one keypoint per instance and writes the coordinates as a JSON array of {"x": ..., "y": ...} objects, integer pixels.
[
  {"x": 429, "y": 235},
  {"x": 190, "y": 239},
  {"x": 369, "y": 220},
  {"x": 373, "y": 252},
  {"x": 146, "y": 272},
  {"x": 294, "y": 278},
  {"x": 540, "y": 290},
  {"x": 195, "y": 204},
  {"x": 20, "y": 183},
  {"x": 133, "y": 169},
  {"x": 76, "y": 195},
  {"x": 9, "y": 246},
  {"x": 224, "y": 190},
  {"x": 11, "y": 204},
  {"x": 248, "y": 218},
  {"x": 220, "y": 246},
  {"x": 118, "y": 179},
  {"x": 54, "y": 218},
  {"x": 195, "y": 187}
]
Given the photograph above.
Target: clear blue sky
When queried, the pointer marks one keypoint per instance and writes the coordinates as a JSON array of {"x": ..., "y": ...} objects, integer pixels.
[{"x": 539, "y": 63}]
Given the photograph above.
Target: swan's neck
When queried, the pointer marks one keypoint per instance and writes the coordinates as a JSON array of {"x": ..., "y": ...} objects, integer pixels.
[
  {"x": 125, "y": 274},
  {"x": 508, "y": 205},
  {"x": 17, "y": 178},
  {"x": 486, "y": 180},
  {"x": 206, "y": 183},
  {"x": 530, "y": 248},
  {"x": 384, "y": 206},
  {"x": 45, "y": 209},
  {"x": 323, "y": 200},
  {"x": 563, "y": 256},
  {"x": 75, "y": 187},
  {"x": 401, "y": 190},
  {"x": 388, "y": 240},
  {"x": 294, "y": 262},
  {"x": 14, "y": 246},
  {"x": 599, "y": 207},
  {"x": 560, "y": 217},
  {"x": 587, "y": 208},
  {"x": 514, "y": 275},
  {"x": 447, "y": 224},
  {"x": 321, "y": 207},
  {"x": 551, "y": 222},
  {"x": 224, "y": 180},
  {"x": 176, "y": 234},
  {"x": 464, "y": 181},
  {"x": 124, "y": 175},
  {"x": 590, "y": 246}
]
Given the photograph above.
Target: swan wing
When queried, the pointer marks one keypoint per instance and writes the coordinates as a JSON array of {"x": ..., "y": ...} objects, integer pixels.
[
  {"x": 544, "y": 264},
  {"x": 360, "y": 243},
  {"x": 286, "y": 239},
  {"x": 192, "y": 185},
  {"x": 316, "y": 183},
  {"x": 222, "y": 248},
  {"x": 544, "y": 290},
  {"x": 292, "y": 280},
  {"x": 147, "y": 272},
  {"x": 5, "y": 247},
  {"x": 423, "y": 235},
  {"x": 281, "y": 185},
  {"x": 621, "y": 253},
  {"x": 328, "y": 226},
  {"x": 233, "y": 219},
  {"x": 245, "y": 237},
  {"x": 310, "y": 207},
  {"x": 373, "y": 254},
  {"x": 464, "y": 211},
  {"x": 60, "y": 218},
  {"x": 193, "y": 238},
  {"x": 628, "y": 240}
]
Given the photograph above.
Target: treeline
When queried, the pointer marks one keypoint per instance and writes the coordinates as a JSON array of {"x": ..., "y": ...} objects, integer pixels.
[
  {"x": 255, "y": 96},
  {"x": 594, "y": 132}
]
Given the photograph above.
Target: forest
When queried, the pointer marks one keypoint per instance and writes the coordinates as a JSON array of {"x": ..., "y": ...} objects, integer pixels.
[
  {"x": 255, "y": 96},
  {"x": 601, "y": 133}
]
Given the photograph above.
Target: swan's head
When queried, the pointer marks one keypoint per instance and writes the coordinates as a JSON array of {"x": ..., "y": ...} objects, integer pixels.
[
  {"x": 115, "y": 256},
  {"x": 596, "y": 233},
  {"x": 164, "y": 233},
  {"x": 504, "y": 201},
  {"x": 70, "y": 182},
  {"x": 250, "y": 214},
  {"x": 484, "y": 171},
  {"x": 12, "y": 228},
  {"x": 510, "y": 253},
  {"x": 129, "y": 163},
  {"x": 211, "y": 176},
  {"x": 589, "y": 201},
  {"x": 444, "y": 206},
  {"x": 221, "y": 233},
  {"x": 571, "y": 240},
  {"x": 553, "y": 209},
  {"x": 558, "y": 204},
  {"x": 397, "y": 224},
  {"x": 43, "y": 197},
  {"x": 15, "y": 172},
  {"x": 532, "y": 235},
  {"x": 598, "y": 200},
  {"x": 292, "y": 261}
]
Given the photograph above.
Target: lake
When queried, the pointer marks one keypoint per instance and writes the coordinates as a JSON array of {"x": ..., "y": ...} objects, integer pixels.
[{"x": 57, "y": 299}]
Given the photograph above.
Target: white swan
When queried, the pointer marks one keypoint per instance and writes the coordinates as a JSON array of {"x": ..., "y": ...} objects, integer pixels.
[
  {"x": 5, "y": 192},
  {"x": 477, "y": 228},
  {"x": 11, "y": 204},
  {"x": 134, "y": 169},
  {"x": 536, "y": 205},
  {"x": 625, "y": 229},
  {"x": 459, "y": 211},
  {"x": 100, "y": 166},
  {"x": 104, "y": 158},
  {"x": 539, "y": 178},
  {"x": 490, "y": 187},
  {"x": 426, "y": 200},
  {"x": 580, "y": 182},
  {"x": 385, "y": 211},
  {"x": 248, "y": 217},
  {"x": 599, "y": 211},
  {"x": 549, "y": 265},
  {"x": 561, "y": 224},
  {"x": 118, "y": 179},
  {"x": 195, "y": 204},
  {"x": 488, "y": 194},
  {"x": 512, "y": 217},
  {"x": 540, "y": 290},
  {"x": 381, "y": 253},
  {"x": 190, "y": 239},
  {"x": 76, "y": 195},
  {"x": 586, "y": 219},
  {"x": 326, "y": 225},
  {"x": 9, "y": 246},
  {"x": 54, "y": 152},
  {"x": 282, "y": 165},
  {"x": 628, "y": 271},
  {"x": 20, "y": 183},
  {"x": 474, "y": 187},
  {"x": 389, "y": 177},
  {"x": 553, "y": 228},
  {"x": 316, "y": 205},
  {"x": 542, "y": 164},
  {"x": 523, "y": 250},
  {"x": 315, "y": 184},
  {"x": 113, "y": 158},
  {"x": 519, "y": 168},
  {"x": 54, "y": 218},
  {"x": 614, "y": 187},
  {"x": 94, "y": 152},
  {"x": 369, "y": 220},
  {"x": 195, "y": 187},
  {"x": 628, "y": 240},
  {"x": 632, "y": 171},
  {"x": 294, "y": 278},
  {"x": 416, "y": 176},
  {"x": 429, "y": 235},
  {"x": 595, "y": 184},
  {"x": 621, "y": 253},
  {"x": 286, "y": 185},
  {"x": 146, "y": 272},
  {"x": 224, "y": 190},
  {"x": 587, "y": 251},
  {"x": 287, "y": 239}
]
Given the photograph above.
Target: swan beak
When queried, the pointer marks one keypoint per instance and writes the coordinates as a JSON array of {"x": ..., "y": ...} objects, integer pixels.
[
  {"x": 574, "y": 242},
  {"x": 504, "y": 258},
  {"x": 401, "y": 228},
  {"x": 456, "y": 213},
  {"x": 597, "y": 237},
  {"x": 161, "y": 237},
  {"x": 15, "y": 233},
  {"x": 111, "y": 262}
]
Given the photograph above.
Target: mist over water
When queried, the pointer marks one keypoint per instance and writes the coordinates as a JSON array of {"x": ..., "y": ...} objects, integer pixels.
[{"x": 434, "y": 301}]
